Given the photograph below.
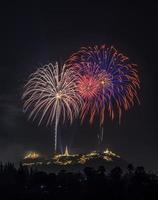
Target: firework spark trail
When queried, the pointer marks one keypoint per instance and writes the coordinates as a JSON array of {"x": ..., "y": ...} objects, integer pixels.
[
  {"x": 118, "y": 77},
  {"x": 51, "y": 94}
]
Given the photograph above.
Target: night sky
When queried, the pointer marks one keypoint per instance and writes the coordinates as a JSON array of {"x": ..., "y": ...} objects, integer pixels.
[{"x": 38, "y": 33}]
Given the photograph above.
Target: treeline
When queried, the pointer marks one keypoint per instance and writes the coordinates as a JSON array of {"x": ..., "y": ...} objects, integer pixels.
[{"x": 27, "y": 183}]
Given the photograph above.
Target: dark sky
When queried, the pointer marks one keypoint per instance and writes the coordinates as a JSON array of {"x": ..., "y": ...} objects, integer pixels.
[{"x": 34, "y": 34}]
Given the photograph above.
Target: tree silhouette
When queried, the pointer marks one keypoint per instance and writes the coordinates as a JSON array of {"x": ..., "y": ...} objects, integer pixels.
[{"x": 25, "y": 183}]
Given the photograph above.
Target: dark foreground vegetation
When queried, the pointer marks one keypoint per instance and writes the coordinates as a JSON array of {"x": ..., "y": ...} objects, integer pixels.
[{"x": 27, "y": 184}]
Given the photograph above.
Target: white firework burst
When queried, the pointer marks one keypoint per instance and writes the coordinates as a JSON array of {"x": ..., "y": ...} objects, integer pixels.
[{"x": 50, "y": 94}]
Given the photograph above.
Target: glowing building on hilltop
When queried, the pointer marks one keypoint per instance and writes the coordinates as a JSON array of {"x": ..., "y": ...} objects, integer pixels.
[
  {"x": 66, "y": 152},
  {"x": 31, "y": 155},
  {"x": 110, "y": 153}
]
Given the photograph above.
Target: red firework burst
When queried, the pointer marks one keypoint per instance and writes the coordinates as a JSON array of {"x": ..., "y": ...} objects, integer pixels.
[{"x": 88, "y": 86}]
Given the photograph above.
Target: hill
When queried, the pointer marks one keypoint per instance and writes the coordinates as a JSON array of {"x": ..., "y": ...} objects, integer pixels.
[{"x": 74, "y": 162}]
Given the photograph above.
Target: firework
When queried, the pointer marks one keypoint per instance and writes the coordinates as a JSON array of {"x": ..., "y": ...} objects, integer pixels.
[
  {"x": 50, "y": 94},
  {"x": 108, "y": 81},
  {"x": 90, "y": 86}
]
